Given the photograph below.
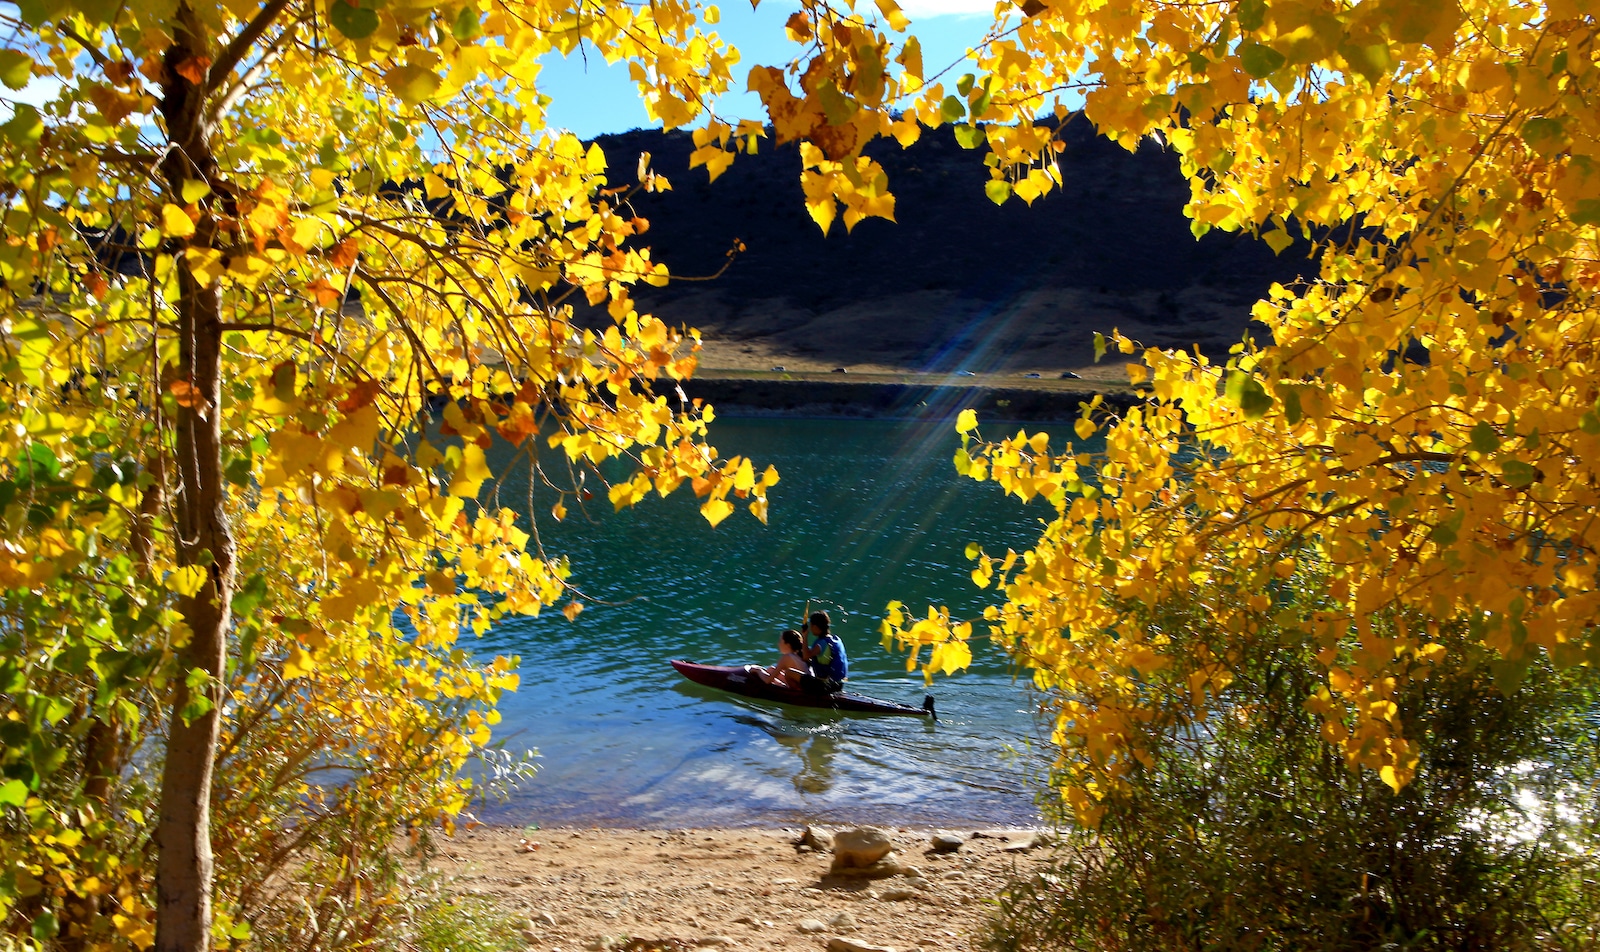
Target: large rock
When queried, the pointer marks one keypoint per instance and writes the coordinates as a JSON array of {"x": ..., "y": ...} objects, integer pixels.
[{"x": 860, "y": 847}]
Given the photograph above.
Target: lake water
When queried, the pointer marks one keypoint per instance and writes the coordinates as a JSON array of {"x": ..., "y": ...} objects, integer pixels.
[{"x": 866, "y": 512}]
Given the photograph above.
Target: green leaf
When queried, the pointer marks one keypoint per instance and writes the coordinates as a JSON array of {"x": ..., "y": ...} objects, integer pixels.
[
  {"x": 1368, "y": 60},
  {"x": 1260, "y": 60},
  {"x": 1484, "y": 438},
  {"x": 36, "y": 12},
  {"x": 1254, "y": 399},
  {"x": 1248, "y": 393},
  {"x": 952, "y": 109},
  {"x": 1251, "y": 14},
  {"x": 356, "y": 23},
  {"x": 1099, "y": 346},
  {"x": 965, "y": 83},
  {"x": 467, "y": 26},
  {"x": 1509, "y": 675},
  {"x": 238, "y": 471},
  {"x": 969, "y": 136},
  {"x": 413, "y": 84},
  {"x": 1587, "y": 212},
  {"x": 998, "y": 190},
  {"x": 197, "y": 708},
  {"x": 1292, "y": 411},
  {"x": 45, "y": 925},
  {"x": 16, "y": 68},
  {"x": 1423, "y": 21},
  {"x": 1517, "y": 474},
  {"x": 1543, "y": 135},
  {"x": 13, "y": 793},
  {"x": 838, "y": 107},
  {"x": 39, "y": 464},
  {"x": 25, "y": 126},
  {"x": 1590, "y": 423},
  {"x": 981, "y": 104}
]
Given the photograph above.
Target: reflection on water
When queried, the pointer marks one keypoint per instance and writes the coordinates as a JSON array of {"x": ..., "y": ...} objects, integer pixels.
[
  {"x": 814, "y": 748},
  {"x": 866, "y": 512}
]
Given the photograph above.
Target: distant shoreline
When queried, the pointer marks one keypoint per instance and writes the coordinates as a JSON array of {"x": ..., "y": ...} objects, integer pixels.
[{"x": 899, "y": 397}]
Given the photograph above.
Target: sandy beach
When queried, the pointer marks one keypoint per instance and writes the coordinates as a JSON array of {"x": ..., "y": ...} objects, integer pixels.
[{"x": 748, "y": 889}]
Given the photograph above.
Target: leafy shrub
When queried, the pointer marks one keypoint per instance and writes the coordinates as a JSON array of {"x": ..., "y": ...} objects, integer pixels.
[{"x": 1244, "y": 829}]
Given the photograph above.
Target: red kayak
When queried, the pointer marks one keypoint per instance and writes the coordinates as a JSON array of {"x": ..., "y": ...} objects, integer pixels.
[{"x": 737, "y": 681}]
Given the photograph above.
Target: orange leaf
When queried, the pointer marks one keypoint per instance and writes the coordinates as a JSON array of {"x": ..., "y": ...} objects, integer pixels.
[
  {"x": 359, "y": 395},
  {"x": 326, "y": 294},
  {"x": 194, "y": 69},
  {"x": 344, "y": 253},
  {"x": 186, "y": 394}
]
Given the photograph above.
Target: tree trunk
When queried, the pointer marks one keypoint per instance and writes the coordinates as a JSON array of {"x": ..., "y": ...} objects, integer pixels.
[{"x": 204, "y": 538}]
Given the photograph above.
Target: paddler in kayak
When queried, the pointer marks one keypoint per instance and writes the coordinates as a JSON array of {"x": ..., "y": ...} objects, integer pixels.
[
  {"x": 829, "y": 666},
  {"x": 790, "y": 667}
]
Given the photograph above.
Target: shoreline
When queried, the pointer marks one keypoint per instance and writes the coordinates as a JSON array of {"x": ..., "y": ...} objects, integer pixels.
[
  {"x": 757, "y": 889},
  {"x": 899, "y": 396}
]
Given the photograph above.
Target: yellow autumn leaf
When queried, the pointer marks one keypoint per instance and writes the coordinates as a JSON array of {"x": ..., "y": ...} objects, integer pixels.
[
  {"x": 413, "y": 85},
  {"x": 716, "y": 510},
  {"x": 206, "y": 264},
  {"x": 891, "y": 12},
  {"x": 470, "y": 476},
  {"x": 744, "y": 479},
  {"x": 298, "y": 663},
  {"x": 193, "y": 190},
  {"x": 175, "y": 222},
  {"x": 188, "y": 580}
]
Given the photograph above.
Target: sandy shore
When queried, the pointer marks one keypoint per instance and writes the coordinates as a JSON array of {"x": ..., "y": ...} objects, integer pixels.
[{"x": 649, "y": 890}]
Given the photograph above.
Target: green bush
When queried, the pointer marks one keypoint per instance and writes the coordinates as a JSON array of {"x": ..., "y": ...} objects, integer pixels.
[{"x": 1246, "y": 830}]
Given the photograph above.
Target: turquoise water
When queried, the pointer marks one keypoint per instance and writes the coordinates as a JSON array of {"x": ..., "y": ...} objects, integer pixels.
[{"x": 866, "y": 512}]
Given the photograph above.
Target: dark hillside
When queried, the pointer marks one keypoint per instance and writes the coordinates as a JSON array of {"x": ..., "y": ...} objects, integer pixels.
[{"x": 957, "y": 282}]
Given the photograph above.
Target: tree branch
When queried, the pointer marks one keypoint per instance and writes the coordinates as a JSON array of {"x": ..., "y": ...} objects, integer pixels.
[{"x": 240, "y": 44}]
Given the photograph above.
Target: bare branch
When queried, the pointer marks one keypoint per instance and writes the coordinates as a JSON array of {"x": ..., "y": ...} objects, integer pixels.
[{"x": 240, "y": 45}]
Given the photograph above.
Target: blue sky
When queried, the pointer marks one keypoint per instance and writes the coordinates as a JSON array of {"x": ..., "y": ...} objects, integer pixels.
[{"x": 591, "y": 98}]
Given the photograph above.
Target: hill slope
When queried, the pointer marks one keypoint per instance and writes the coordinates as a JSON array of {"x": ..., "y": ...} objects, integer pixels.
[{"x": 957, "y": 283}]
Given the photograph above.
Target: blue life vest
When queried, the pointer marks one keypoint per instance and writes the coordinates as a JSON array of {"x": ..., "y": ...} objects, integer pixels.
[{"x": 830, "y": 661}]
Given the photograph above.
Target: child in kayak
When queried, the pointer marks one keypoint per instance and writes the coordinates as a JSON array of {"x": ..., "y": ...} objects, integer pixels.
[
  {"x": 829, "y": 667},
  {"x": 786, "y": 673}
]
